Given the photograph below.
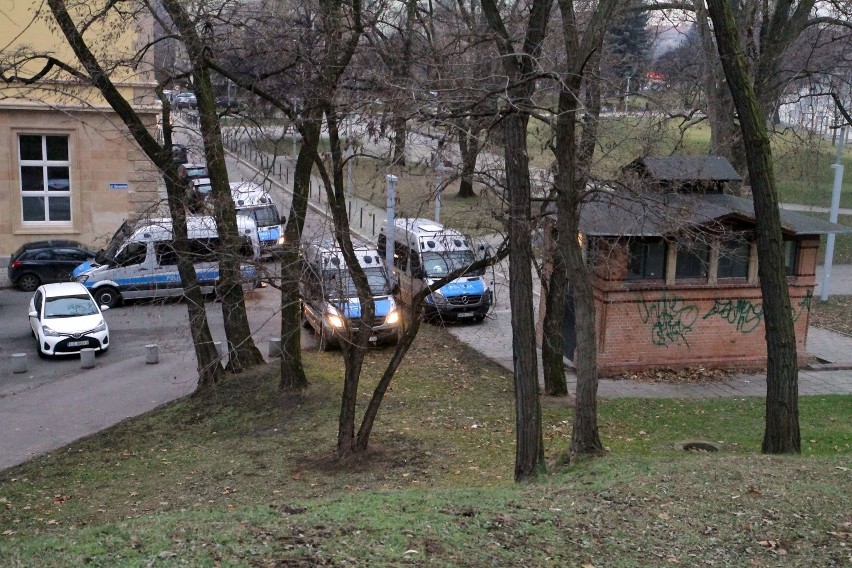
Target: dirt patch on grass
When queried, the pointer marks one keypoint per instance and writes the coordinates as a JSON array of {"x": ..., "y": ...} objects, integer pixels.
[{"x": 697, "y": 375}]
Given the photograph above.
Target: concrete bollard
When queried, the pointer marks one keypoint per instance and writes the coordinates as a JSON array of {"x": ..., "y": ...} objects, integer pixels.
[
  {"x": 87, "y": 358},
  {"x": 274, "y": 347},
  {"x": 19, "y": 363},
  {"x": 152, "y": 354}
]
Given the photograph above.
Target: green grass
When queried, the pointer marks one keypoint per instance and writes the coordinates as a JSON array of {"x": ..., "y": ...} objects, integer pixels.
[{"x": 246, "y": 477}]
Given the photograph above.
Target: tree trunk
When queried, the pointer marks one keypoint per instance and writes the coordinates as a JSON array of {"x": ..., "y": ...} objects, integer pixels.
[
  {"x": 529, "y": 456},
  {"x": 469, "y": 150},
  {"x": 242, "y": 352},
  {"x": 552, "y": 336},
  {"x": 519, "y": 65},
  {"x": 782, "y": 433},
  {"x": 292, "y": 371},
  {"x": 400, "y": 135}
]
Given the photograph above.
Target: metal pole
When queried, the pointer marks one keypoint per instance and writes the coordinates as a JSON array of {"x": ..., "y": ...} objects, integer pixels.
[
  {"x": 438, "y": 178},
  {"x": 835, "y": 206},
  {"x": 391, "y": 203}
]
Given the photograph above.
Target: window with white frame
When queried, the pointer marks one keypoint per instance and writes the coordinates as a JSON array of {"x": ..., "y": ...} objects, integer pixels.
[{"x": 45, "y": 178}]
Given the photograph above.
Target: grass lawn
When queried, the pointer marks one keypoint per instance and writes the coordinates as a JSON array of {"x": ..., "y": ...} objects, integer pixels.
[{"x": 245, "y": 477}]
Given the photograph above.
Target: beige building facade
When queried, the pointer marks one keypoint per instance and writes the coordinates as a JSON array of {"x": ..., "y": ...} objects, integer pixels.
[{"x": 68, "y": 166}]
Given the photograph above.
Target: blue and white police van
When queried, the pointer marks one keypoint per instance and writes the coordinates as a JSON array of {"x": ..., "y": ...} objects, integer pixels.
[
  {"x": 254, "y": 202},
  {"x": 140, "y": 260},
  {"x": 330, "y": 303},
  {"x": 424, "y": 252}
]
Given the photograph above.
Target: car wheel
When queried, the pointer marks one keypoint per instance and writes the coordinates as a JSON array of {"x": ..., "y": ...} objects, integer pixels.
[
  {"x": 29, "y": 282},
  {"x": 107, "y": 296},
  {"x": 41, "y": 354},
  {"x": 479, "y": 319}
]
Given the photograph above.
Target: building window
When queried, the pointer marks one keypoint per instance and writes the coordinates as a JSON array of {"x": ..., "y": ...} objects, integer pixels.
[
  {"x": 647, "y": 259},
  {"x": 791, "y": 252},
  {"x": 45, "y": 178},
  {"x": 693, "y": 260},
  {"x": 733, "y": 258}
]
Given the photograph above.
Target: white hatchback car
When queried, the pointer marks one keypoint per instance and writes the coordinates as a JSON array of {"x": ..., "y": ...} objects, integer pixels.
[{"x": 65, "y": 320}]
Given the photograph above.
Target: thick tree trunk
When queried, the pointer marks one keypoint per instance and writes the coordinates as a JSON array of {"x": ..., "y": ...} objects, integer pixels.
[
  {"x": 529, "y": 456},
  {"x": 242, "y": 352},
  {"x": 552, "y": 337},
  {"x": 292, "y": 371},
  {"x": 519, "y": 65},
  {"x": 469, "y": 150},
  {"x": 400, "y": 136},
  {"x": 782, "y": 433}
]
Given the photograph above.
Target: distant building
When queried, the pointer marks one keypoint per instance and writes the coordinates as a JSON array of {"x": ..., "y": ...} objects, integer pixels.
[
  {"x": 68, "y": 167},
  {"x": 674, "y": 270}
]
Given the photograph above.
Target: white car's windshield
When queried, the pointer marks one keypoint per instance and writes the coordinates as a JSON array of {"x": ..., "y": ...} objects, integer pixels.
[{"x": 69, "y": 307}]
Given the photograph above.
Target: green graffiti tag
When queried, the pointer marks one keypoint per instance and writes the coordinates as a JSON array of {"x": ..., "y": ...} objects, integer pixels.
[
  {"x": 671, "y": 319},
  {"x": 804, "y": 305},
  {"x": 742, "y": 313}
]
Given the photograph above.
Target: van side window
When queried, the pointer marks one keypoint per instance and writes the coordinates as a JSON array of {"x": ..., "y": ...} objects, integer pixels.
[
  {"x": 204, "y": 250},
  {"x": 133, "y": 253},
  {"x": 165, "y": 251},
  {"x": 400, "y": 257}
]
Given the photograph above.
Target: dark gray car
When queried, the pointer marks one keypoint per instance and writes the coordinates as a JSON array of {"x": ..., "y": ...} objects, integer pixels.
[{"x": 44, "y": 262}]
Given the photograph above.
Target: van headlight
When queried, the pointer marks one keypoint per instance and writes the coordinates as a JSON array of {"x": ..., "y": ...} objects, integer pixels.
[
  {"x": 82, "y": 278},
  {"x": 393, "y": 317},
  {"x": 281, "y": 241},
  {"x": 335, "y": 321},
  {"x": 438, "y": 298}
]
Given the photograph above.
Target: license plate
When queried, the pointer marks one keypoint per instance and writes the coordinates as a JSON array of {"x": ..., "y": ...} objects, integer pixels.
[
  {"x": 465, "y": 315},
  {"x": 374, "y": 338},
  {"x": 77, "y": 343}
]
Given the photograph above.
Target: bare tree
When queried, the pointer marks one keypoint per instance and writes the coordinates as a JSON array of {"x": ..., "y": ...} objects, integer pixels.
[
  {"x": 782, "y": 380},
  {"x": 520, "y": 67},
  {"x": 241, "y": 348},
  {"x": 209, "y": 368}
]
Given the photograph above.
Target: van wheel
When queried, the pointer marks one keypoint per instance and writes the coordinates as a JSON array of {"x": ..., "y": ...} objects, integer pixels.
[{"x": 107, "y": 296}]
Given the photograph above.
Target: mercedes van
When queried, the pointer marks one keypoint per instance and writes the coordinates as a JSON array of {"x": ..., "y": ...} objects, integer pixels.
[
  {"x": 254, "y": 202},
  {"x": 140, "y": 260},
  {"x": 330, "y": 304},
  {"x": 424, "y": 252}
]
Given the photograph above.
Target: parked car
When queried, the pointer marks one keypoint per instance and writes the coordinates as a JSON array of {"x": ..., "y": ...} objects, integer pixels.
[
  {"x": 189, "y": 172},
  {"x": 180, "y": 153},
  {"x": 65, "y": 319},
  {"x": 185, "y": 100},
  {"x": 43, "y": 262}
]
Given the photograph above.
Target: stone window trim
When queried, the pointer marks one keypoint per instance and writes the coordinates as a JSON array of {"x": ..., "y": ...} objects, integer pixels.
[{"x": 51, "y": 168}]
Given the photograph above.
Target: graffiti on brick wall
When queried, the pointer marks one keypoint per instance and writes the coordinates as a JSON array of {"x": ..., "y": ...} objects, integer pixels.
[
  {"x": 671, "y": 319},
  {"x": 744, "y": 314},
  {"x": 803, "y": 306}
]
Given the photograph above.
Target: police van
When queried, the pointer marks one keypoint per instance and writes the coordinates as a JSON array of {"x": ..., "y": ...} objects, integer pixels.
[
  {"x": 254, "y": 202},
  {"x": 140, "y": 260},
  {"x": 424, "y": 252},
  {"x": 330, "y": 304}
]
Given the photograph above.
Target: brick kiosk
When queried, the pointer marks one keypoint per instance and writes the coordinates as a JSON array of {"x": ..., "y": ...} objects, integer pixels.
[{"x": 675, "y": 273}]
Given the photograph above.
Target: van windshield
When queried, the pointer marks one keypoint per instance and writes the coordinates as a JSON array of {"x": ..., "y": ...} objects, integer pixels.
[
  {"x": 439, "y": 264},
  {"x": 339, "y": 283},
  {"x": 262, "y": 216},
  {"x": 107, "y": 254}
]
